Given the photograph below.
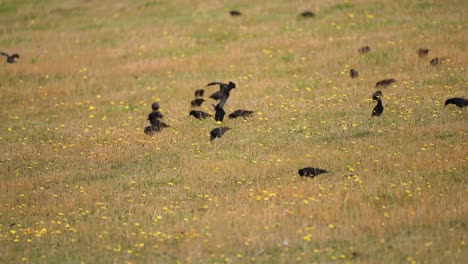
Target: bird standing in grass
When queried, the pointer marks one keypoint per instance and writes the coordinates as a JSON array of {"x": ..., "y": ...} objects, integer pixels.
[
  {"x": 460, "y": 102},
  {"x": 154, "y": 119},
  {"x": 235, "y": 13},
  {"x": 199, "y": 114},
  {"x": 218, "y": 132},
  {"x": 422, "y": 53},
  {"x": 240, "y": 113},
  {"x": 311, "y": 172},
  {"x": 307, "y": 14},
  {"x": 378, "y": 109},
  {"x": 364, "y": 50},
  {"x": 220, "y": 113},
  {"x": 384, "y": 83},
  {"x": 353, "y": 73},
  {"x": 10, "y": 59}
]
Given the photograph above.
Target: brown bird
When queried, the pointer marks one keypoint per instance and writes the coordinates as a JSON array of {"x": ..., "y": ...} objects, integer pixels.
[
  {"x": 218, "y": 132},
  {"x": 353, "y": 73},
  {"x": 384, "y": 83},
  {"x": 240, "y": 113},
  {"x": 307, "y": 14},
  {"x": 235, "y": 13},
  {"x": 311, "y": 172},
  {"x": 199, "y": 114},
  {"x": 10, "y": 59},
  {"x": 460, "y": 102},
  {"x": 364, "y": 50},
  {"x": 422, "y": 53},
  {"x": 435, "y": 61},
  {"x": 378, "y": 109},
  {"x": 197, "y": 102}
]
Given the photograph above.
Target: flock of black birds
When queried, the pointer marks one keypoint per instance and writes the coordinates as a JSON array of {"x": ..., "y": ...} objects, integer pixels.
[{"x": 156, "y": 125}]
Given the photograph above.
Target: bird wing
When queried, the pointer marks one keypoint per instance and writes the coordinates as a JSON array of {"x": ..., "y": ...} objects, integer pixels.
[
  {"x": 216, "y": 83},
  {"x": 4, "y": 54},
  {"x": 223, "y": 101}
]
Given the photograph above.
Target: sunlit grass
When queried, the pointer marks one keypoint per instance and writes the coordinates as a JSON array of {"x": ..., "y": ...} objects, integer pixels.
[{"x": 81, "y": 182}]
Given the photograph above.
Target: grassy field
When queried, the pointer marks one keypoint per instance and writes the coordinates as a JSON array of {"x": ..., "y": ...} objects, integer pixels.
[{"x": 81, "y": 183}]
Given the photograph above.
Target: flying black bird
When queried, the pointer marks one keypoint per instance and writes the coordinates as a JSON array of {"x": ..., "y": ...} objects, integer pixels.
[
  {"x": 150, "y": 130},
  {"x": 155, "y": 106},
  {"x": 240, "y": 113},
  {"x": 197, "y": 102},
  {"x": 311, "y": 172},
  {"x": 460, "y": 102},
  {"x": 378, "y": 109},
  {"x": 353, "y": 73},
  {"x": 223, "y": 93},
  {"x": 235, "y": 13},
  {"x": 199, "y": 93},
  {"x": 384, "y": 83},
  {"x": 219, "y": 115},
  {"x": 364, "y": 50},
  {"x": 423, "y": 52},
  {"x": 435, "y": 61},
  {"x": 199, "y": 114},
  {"x": 10, "y": 59},
  {"x": 307, "y": 14},
  {"x": 218, "y": 132}
]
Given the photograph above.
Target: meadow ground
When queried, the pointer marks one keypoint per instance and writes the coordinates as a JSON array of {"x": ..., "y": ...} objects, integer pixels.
[{"x": 81, "y": 182}]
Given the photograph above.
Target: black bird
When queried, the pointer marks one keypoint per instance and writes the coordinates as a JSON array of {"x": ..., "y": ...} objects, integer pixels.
[
  {"x": 218, "y": 132},
  {"x": 158, "y": 124},
  {"x": 353, "y": 73},
  {"x": 155, "y": 106},
  {"x": 197, "y": 102},
  {"x": 219, "y": 115},
  {"x": 154, "y": 115},
  {"x": 199, "y": 93},
  {"x": 223, "y": 93},
  {"x": 311, "y": 172},
  {"x": 240, "y": 113},
  {"x": 307, "y": 14},
  {"x": 10, "y": 59},
  {"x": 364, "y": 50},
  {"x": 435, "y": 61},
  {"x": 235, "y": 13},
  {"x": 460, "y": 102},
  {"x": 150, "y": 130},
  {"x": 378, "y": 109},
  {"x": 384, "y": 83},
  {"x": 199, "y": 114},
  {"x": 422, "y": 53}
]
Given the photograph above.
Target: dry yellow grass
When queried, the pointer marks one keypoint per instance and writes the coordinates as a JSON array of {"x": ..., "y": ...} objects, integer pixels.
[{"x": 80, "y": 182}]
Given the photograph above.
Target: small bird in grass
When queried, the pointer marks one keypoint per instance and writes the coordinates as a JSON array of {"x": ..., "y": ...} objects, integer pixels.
[
  {"x": 223, "y": 93},
  {"x": 199, "y": 114},
  {"x": 460, "y": 102},
  {"x": 235, "y": 13},
  {"x": 364, "y": 50},
  {"x": 197, "y": 102},
  {"x": 220, "y": 113},
  {"x": 384, "y": 83},
  {"x": 378, "y": 109},
  {"x": 199, "y": 93},
  {"x": 311, "y": 172},
  {"x": 435, "y": 61},
  {"x": 240, "y": 113},
  {"x": 218, "y": 132},
  {"x": 353, "y": 73},
  {"x": 422, "y": 53},
  {"x": 307, "y": 14},
  {"x": 10, "y": 59}
]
